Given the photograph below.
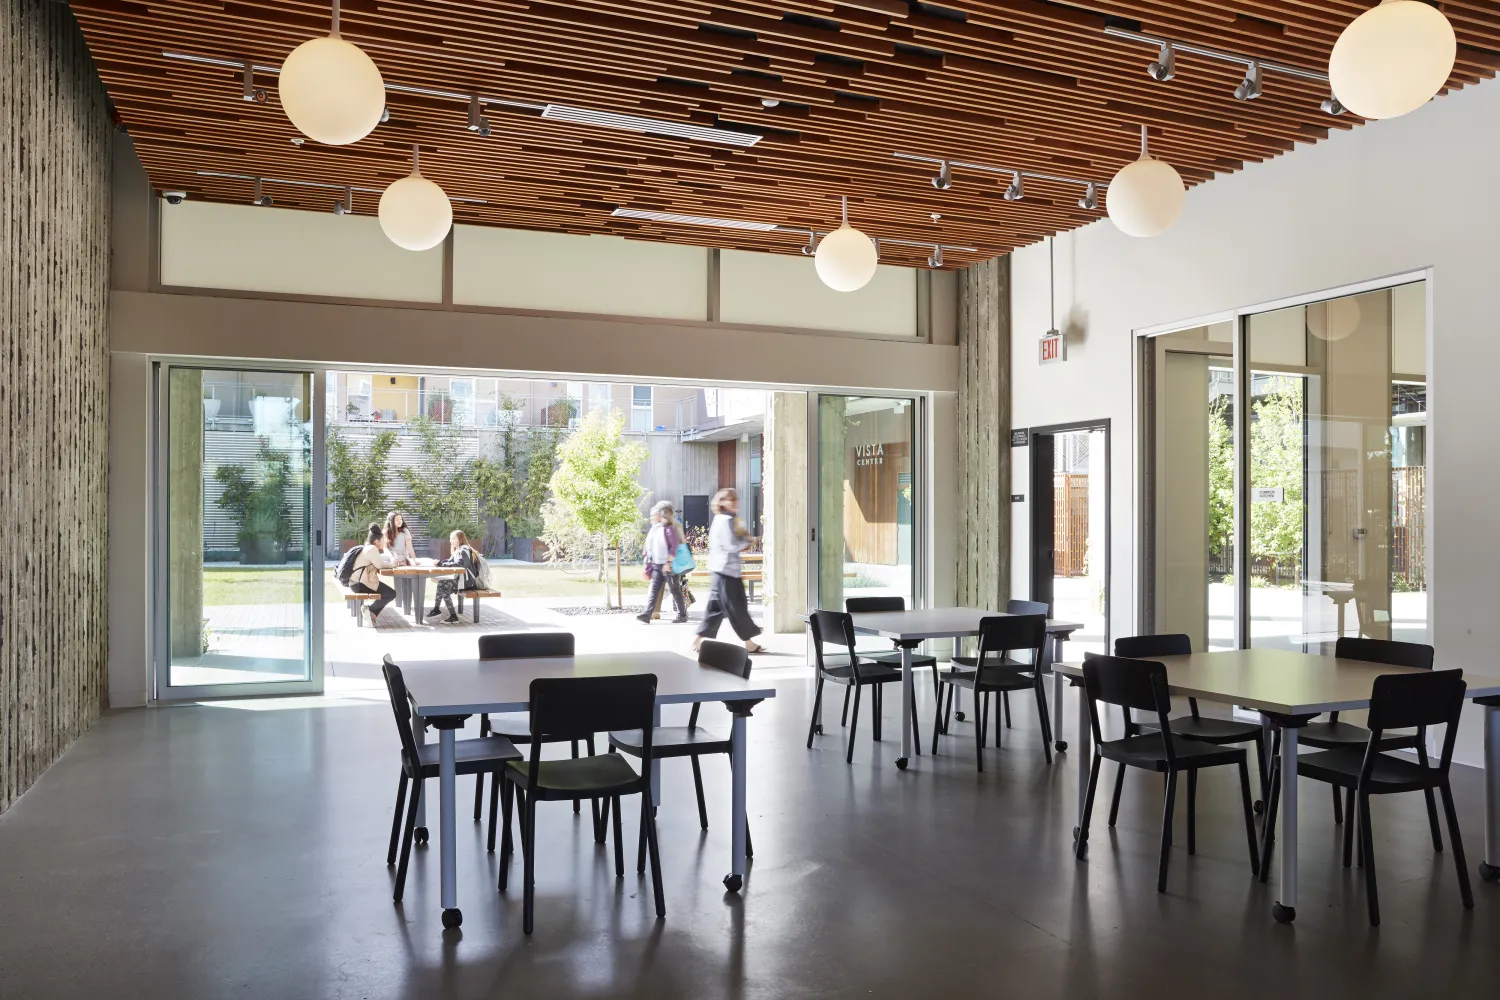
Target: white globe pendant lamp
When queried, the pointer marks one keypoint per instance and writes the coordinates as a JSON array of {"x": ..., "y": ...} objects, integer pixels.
[
  {"x": 1392, "y": 59},
  {"x": 846, "y": 258},
  {"x": 331, "y": 90},
  {"x": 415, "y": 213},
  {"x": 1145, "y": 198}
]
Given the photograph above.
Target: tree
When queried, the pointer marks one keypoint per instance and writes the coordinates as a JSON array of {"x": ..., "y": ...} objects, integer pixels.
[
  {"x": 595, "y": 483},
  {"x": 516, "y": 481},
  {"x": 356, "y": 481},
  {"x": 442, "y": 485},
  {"x": 1220, "y": 477},
  {"x": 1277, "y": 459},
  {"x": 259, "y": 503}
]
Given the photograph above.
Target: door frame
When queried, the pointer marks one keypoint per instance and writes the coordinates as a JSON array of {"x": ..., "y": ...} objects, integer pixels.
[
  {"x": 1041, "y": 516},
  {"x": 159, "y": 689}
]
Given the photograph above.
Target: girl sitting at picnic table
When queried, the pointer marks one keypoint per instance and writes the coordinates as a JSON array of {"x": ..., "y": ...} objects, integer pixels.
[
  {"x": 365, "y": 578},
  {"x": 463, "y": 556}
]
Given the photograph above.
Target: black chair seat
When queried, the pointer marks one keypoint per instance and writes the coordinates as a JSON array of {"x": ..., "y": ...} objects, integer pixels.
[
  {"x": 585, "y": 777},
  {"x": 869, "y": 673},
  {"x": 993, "y": 662},
  {"x": 672, "y": 741},
  {"x": 893, "y": 658},
  {"x": 514, "y": 726},
  {"x": 1389, "y": 774},
  {"x": 1146, "y": 751},
  {"x": 1207, "y": 730},
  {"x": 470, "y": 756},
  {"x": 1001, "y": 680},
  {"x": 1337, "y": 735}
]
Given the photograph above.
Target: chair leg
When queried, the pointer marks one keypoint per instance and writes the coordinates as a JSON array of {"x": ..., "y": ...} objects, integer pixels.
[
  {"x": 1005, "y": 701},
  {"x": 576, "y": 803},
  {"x": 1114, "y": 802},
  {"x": 812, "y": 723},
  {"x": 390, "y": 854},
  {"x": 1368, "y": 840},
  {"x": 1080, "y": 845},
  {"x": 1261, "y": 768},
  {"x": 877, "y": 711},
  {"x": 614, "y": 806},
  {"x": 948, "y": 711},
  {"x": 1338, "y": 804},
  {"x": 507, "y": 845},
  {"x": 1044, "y": 716},
  {"x": 981, "y": 725},
  {"x": 494, "y": 802},
  {"x": 649, "y": 821},
  {"x": 1166, "y": 832},
  {"x": 849, "y": 751},
  {"x": 528, "y": 870},
  {"x": 411, "y": 823},
  {"x": 698, "y": 787},
  {"x": 1268, "y": 832},
  {"x": 916, "y": 731},
  {"x": 1432, "y": 815},
  {"x": 1192, "y": 810},
  {"x": 1249, "y": 820},
  {"x": 640, "y": 846},
  {"x": 1349, "y": 824},
  {"x": 1454, "y": 837},
  {"x": 937, "y": 721},
  {"x": 844, "y": 718}
]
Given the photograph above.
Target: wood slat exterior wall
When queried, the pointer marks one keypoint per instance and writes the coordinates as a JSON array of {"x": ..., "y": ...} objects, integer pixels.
[
  {"x": 54, "y": 414},
  {"x": 984, "y": 434}
]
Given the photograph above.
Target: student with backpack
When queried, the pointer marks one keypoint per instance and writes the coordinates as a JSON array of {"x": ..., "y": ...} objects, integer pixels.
[
  {"x": 463, "y": 556},
  {"x": 364, "y": 574}
]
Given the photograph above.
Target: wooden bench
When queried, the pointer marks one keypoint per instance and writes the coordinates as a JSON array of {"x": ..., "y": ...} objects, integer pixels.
[
  {"x": 355, "y": 601},
  {"x": 474, "y": 595},
  {"x": 749, "y": 578}
]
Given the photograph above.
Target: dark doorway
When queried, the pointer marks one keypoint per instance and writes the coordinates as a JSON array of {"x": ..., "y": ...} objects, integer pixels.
[{"x": 1070, "y": 538}]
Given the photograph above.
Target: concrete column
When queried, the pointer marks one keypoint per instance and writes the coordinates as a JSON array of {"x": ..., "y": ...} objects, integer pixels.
[
  {"x": 185, "y": 511},
  {"x": 783, "y": 476},
  {"x": 832, "y": 477}
]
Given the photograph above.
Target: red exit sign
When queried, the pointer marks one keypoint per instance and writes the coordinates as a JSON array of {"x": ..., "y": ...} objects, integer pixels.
[{"x": 1054, "y": 348}]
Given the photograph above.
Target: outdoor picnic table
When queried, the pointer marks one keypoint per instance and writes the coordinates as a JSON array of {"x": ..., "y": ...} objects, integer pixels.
[{"x": 417, "y": 575}]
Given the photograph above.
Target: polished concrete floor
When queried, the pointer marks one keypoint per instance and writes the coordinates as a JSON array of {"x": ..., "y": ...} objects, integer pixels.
[{"x": 206, "y": 852}]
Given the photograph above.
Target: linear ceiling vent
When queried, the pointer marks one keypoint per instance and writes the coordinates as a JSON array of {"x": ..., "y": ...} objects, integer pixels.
[
  {"x": 693, "y": 220},
  {"x": 649, "y": 126}
]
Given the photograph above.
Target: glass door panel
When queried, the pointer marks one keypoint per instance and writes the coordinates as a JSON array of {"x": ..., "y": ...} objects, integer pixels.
[
  {"x": 866, "y": 543},
  {"x": 1080, "y": 515},
  {"x": 238, "y": 526}
]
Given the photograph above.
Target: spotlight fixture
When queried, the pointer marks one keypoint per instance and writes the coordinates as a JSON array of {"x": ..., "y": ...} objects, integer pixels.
[
  {"x": 812, "y": 243},
  {"x": 814, "y": 237},
  {"x": 1090, "y": 199},
  {"x": 1014, "y": 192},
  {"x": 1331, "y": 105},
  {"x": 478, "y": 123},
  {"x": 249, "y": 91},
  {"x": 936, "y": 260},
  {"x": 1165, "y": 66},
  {"x": 385, "y": 114},
  {"x": 345, "y": 207},
  {"x": 944, "y": 180},
  {"x": 1249, "y": 87},
  {"x": 260, "y": 199}
]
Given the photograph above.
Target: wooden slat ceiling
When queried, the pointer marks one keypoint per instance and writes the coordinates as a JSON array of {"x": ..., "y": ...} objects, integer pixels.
[{"x": 1014, "y": 83}]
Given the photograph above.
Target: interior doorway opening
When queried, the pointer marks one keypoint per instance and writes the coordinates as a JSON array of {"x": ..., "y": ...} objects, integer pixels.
[{"x": 1070, "y": 527}]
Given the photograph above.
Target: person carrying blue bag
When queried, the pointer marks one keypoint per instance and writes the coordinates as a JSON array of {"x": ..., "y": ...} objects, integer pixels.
[{"x": 665, "y": 551}]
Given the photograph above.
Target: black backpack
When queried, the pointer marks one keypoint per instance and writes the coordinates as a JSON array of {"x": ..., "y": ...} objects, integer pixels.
[{"x": 346, "y": 565}]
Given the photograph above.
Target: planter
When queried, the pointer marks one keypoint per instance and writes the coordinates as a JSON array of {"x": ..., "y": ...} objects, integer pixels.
[
  {"x": 349, "y": 543},
  {"x": 262, "y": 552},
  {"x": 437, "y": 548},
  {"x": 528, "y": 549}
]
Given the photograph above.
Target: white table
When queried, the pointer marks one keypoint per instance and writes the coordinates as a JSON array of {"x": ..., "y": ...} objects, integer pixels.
[
  {"x": 446, "y": 692},
  {"x": 908, "y": 629},
  {"x": 1291, "y": 688}
]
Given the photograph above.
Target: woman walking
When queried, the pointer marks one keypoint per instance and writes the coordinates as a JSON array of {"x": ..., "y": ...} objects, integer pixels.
[
  {"x": 661, "y": 544},
  {"x": 727, "y": 538}
]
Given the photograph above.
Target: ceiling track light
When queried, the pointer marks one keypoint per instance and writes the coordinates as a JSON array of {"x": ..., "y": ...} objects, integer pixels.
[
  {"x": 250, "y": 92},
  {"x": 813, "y": 235},
  {"x": 348, "y": 189},
  {"x": 1016, "y": 190},
  {"x": 478, "y": 123},
  {"x": 944, "y": 179},
  {"x": 346, "y": 206},
  {"x": 936, "y": 260},
  {"x": 812, "y": 244},
  {"x": 259, "y": 199},
  {"x": 555, "y": 112},
  {"x": 1255, "y": 67}
]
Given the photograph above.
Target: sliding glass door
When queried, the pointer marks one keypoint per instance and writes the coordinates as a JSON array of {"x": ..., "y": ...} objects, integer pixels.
[
  {"x": 1300, "y": 516},
  {"x": 238, "y": 567}
]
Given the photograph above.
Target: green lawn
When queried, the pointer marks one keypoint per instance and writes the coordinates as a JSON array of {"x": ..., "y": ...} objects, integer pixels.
[{"x": 230, "y": 584}]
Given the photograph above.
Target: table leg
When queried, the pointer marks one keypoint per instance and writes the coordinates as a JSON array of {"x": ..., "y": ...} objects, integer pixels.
[
  {"x": 419, "y": 730},
  {"x": 908, "y": 696},
  {"x": 656, "y": 762},
  {"x": 1058, "y": 743},
  {"x": 1085, "y": 740},
  {"x": 1285, "y": 907},
  {"x": 421, "y": 584},
  {"x": 452, "y": 916},
  {"x": 736, "y": 877},
  {"x": 1489, "y": 868}
]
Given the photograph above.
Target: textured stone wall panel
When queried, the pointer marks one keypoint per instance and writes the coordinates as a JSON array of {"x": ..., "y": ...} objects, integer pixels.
[
  {"x": 984, "y": 435},
  {"x": 54, "y": 412}
]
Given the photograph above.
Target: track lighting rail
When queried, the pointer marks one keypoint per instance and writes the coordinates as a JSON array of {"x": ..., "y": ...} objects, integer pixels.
[
  {"x": 321, "y": 185},
  {"x": 1015, "y": 191}
]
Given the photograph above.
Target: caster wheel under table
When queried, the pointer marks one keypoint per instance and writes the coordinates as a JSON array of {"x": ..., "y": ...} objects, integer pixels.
[
  {"x": 1283, "y": 914},
  {"x": 1259, "y": 807},
  {"x": 901, "y": 763},
  {"x": 1489, "y": 872},
  {"x": 453, "y": 918},
  {"x": 420, "y": 835},
  {"x": 959, "y": 715},
  {"x": 733, "y": 883},
  {"x": 1060, "y": 746}
]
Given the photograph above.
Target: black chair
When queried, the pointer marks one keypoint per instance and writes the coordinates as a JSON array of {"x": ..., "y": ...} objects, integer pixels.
[
  {"x": 572, "y": 708},
  {"x": 516, "y": 726},
  {"x": 892, "y": 658},
  {"x": 487, "y": 755},
  {"x": 1141, "y": 685},
  {"x": 1193, "y": 726},
  {"x": 1399, "y": 701},
  {"x": 1011, "y": 608},
  {"x": 852, "y": 669},
  {"x": 1336, "y": 735},
  {"x": 994, "y": 672},
  {"x": 690, "y": 741}
]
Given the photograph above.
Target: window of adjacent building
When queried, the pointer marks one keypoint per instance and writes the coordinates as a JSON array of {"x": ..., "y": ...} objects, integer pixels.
[{"x": 640, "y": 409}]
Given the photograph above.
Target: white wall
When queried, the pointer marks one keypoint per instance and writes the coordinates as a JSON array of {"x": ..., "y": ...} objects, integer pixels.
[
  {"x": 778, "y": 290},
  {"x": 1386, "y": 198}
]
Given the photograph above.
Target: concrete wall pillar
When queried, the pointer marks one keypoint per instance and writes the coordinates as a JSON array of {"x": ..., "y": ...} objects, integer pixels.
[
  {"x": 784, "y": 492},
  {"x": 185, "y": 511}
]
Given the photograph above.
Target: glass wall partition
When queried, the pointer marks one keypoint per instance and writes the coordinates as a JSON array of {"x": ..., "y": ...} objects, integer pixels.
[{"x": 1305, "y": 513}]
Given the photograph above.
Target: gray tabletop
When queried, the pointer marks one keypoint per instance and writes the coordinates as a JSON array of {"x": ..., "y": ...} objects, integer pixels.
[
  {"x": 936, "y": 623},
  {"x": 470, "y": 686},
  {"x": 1281, "y": 681}
]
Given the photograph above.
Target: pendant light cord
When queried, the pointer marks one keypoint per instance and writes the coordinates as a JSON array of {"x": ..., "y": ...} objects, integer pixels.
[
  {"x": 335, "y": 31},
  {"x": 1051, "y": 283},
  {"x": 845, "y": 200},
  {"x": 1145, "y": 150},
  {"x": 416, "y": 158}
]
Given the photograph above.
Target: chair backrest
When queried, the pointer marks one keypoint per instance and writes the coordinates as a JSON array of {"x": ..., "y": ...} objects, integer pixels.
[
  {"x": 1132, "y": 685},
  {"x": 1026, "y": 608},
  {"x": 834, "y": 627},
  {"x": 1140, "y": 647},
  {"x": 1396, "y": 654},
  {"x": 516, "y": 645},
  {"x": 566, "y": 708},
  {"x": 1403, "y": 701},
  {"x": 858, "y": 605},
  {"x": 725, "y": 656},
  {"x": 1001, "y": 634},
  {"x": 395, "y": 685}
]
